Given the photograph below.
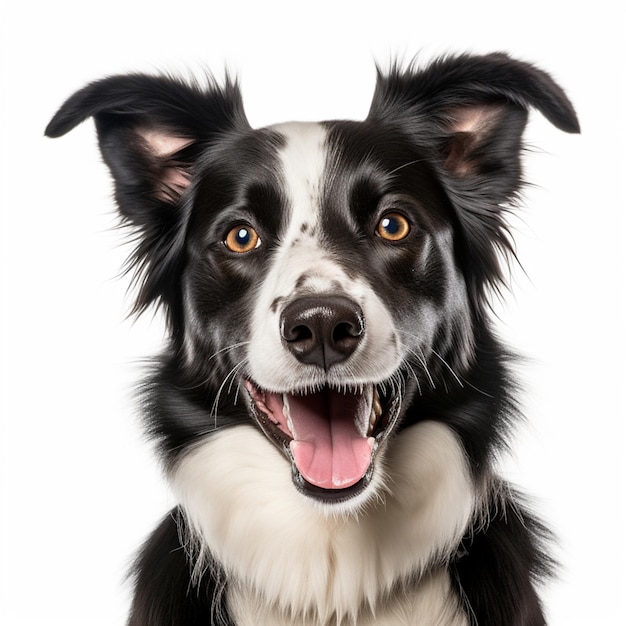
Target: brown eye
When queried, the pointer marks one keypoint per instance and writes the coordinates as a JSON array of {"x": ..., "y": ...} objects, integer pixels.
[
  {"x": 242, "y": 238},
  {"x": 393, "y": 227}
]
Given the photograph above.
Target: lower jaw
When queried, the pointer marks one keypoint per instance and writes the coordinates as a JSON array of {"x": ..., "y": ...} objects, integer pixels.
[
  {"x": 332, "y": 496},
  {"x": 345, "y": 498}
]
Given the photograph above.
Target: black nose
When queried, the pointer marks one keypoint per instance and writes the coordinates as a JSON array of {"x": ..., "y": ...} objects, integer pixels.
[{"x": 322, "y": 330}]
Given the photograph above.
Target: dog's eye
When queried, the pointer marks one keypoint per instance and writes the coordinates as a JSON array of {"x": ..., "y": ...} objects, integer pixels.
[
  {"x": 242, "y": 238},
  {"x": 393, "y": 227}
]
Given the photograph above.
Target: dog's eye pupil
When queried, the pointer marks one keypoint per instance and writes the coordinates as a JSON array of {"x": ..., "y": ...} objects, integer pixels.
[
  {"x": 241, "y": 239},
  {"x": 390, "y": 225},
  {"x": 243, "y": 236},
  {"x": 393, "y": 227}
]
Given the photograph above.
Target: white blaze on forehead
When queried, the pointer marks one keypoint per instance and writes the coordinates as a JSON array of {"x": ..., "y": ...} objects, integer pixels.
[
  {"x": 303, "y": 160},
  {"x": 303, "y": 163}
]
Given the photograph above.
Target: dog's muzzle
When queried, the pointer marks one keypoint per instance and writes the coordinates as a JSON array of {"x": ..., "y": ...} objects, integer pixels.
[{"x": 331, "y": 432}]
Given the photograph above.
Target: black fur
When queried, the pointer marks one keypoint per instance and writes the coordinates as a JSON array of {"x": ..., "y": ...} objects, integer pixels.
[
  {"x": 164, "y": 592},
  {"x": 414, "y": 143}
]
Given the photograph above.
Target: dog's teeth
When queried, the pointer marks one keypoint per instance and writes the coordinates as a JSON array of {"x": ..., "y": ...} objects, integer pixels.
[
  {"x": 376, "y": 411},
  {"x": 287, "y": 412},
  {"x": 373, "y": 419},
  {"x": 376, "y": 406}
]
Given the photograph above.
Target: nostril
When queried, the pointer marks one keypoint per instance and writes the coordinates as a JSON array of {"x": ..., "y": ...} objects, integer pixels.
[
  {"x": 347, "y": 330},
  {"x": 301, "y": 332}
]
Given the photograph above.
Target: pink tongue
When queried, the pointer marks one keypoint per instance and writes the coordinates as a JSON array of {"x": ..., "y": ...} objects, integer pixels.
[{"x": 328, "y": 449}]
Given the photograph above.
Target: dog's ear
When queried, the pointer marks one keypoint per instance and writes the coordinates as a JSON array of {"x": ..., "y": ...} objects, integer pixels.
[
  {"x": 151, "y": 131},
  {"x": 468, "y": 114},
  {"x": 473, "y": 109}
]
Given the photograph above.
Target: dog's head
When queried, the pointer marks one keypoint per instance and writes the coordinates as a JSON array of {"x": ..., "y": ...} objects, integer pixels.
[{"x": 333, "y": 270}]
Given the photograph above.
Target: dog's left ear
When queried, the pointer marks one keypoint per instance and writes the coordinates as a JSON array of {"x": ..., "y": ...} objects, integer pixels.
[
  {"x": 467, "y": 115},
  {"x": 472, "y": 110}
]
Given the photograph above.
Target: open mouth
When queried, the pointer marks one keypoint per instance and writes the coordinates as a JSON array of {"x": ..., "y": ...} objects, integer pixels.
[{"x": 331, "y": 436}]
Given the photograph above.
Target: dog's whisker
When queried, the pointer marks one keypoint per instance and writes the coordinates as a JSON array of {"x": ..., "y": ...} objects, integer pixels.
[
  {"x": 408, "y": 365},
  {"x": 231, "y": 374},
  {"x": 228, "y": 349},
  {"x": 400, "y": 167},
  {"x": 421, "y": 358},
  {"x": 458, "y": 380}
]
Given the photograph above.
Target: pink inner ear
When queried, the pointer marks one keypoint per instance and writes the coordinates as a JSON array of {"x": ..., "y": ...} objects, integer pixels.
[
  {"x": 469, "y": 125},
  {"x": 465, "y": 121},
  {"x": 477, "y": 119},
  {"x": 163, "y": 145}
]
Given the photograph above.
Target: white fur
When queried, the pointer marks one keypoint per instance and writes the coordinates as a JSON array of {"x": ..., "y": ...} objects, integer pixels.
[
  {"x": 294, "y": 557},
  {"x": 433, "y": 603},
  {"x": 301, "y": 254}
]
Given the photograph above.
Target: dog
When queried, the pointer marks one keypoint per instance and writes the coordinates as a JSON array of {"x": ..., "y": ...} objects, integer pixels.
[{"x": 333, "y": 394}]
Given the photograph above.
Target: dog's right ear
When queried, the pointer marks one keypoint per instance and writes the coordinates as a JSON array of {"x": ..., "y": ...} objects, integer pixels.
[{"x": 152, "y": 130}]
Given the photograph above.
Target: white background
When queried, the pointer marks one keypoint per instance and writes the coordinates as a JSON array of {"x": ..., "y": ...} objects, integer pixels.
[{"x": 81, "y": 487}]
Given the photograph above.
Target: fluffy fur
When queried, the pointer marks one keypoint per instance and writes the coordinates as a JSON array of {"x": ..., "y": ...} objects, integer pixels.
[{"x": 332, "y": 395}]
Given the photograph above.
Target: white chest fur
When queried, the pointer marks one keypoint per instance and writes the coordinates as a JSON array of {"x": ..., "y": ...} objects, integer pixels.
[
  {"x": 431, "y": 603},
  {"x": 280, "y": 550}
]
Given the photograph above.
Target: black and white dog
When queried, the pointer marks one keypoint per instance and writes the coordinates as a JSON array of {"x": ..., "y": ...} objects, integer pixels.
[{"x": 332, "y": 396}]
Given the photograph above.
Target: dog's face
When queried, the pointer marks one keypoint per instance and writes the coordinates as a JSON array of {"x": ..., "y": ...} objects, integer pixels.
[
  {"x": 322, "y": 277},
  {"x": 319, "y": 279}
]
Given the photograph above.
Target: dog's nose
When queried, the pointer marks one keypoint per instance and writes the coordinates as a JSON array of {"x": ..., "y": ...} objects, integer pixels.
[{"x": 322, "y": 330}]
